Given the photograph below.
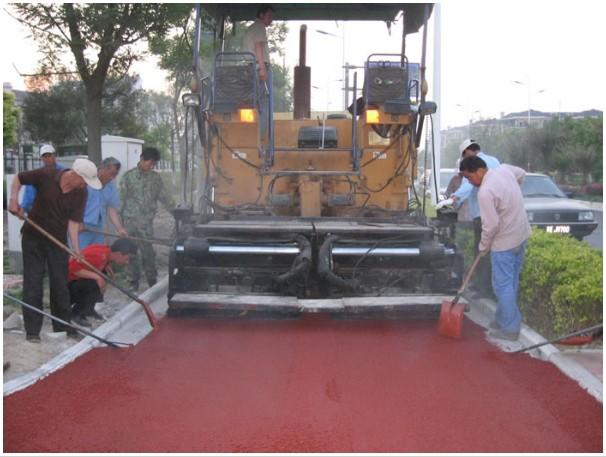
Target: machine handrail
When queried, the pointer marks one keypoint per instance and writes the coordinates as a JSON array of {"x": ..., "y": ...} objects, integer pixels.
[
  {"x": 354, "y": 129},
  {"x": 402, "y": 63},
  {"x": 220, "y": 58}
]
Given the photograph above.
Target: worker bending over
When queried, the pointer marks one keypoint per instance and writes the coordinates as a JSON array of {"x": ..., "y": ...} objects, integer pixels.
[
  {"x": 87, "y": 287},
  {"x": 58, "y": 209},
  {"x": 505, "y": 231}
]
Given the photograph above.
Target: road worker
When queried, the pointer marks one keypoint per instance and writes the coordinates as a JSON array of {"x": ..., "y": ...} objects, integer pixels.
[
  {"x": 141, "y": 189},
  {"x": 255, "y": 41},
  {"x": 58, "y": 208},
  {"x": 505, "y": 231},
  {"x": 48, "y": 155},
  {"x": 469, "y": 193},
  {"x": 101, "y": 203},
  {"x": 86, "y": 287}
]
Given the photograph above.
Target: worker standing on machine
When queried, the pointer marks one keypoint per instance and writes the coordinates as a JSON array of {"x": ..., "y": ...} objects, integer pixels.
[
  {"x": 255, "y": 41},
  {"x": 141, "y": 189}
]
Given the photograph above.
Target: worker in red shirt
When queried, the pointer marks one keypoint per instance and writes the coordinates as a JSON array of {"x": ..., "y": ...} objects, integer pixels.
[{"x": 87, "y": 287}]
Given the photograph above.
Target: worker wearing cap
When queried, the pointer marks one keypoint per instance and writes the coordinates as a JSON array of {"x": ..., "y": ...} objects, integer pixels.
[
  {"x": 141, "y": 189},
  {"x": 58, "y": 209},
  {"x": 505, "y": 231},
  {"x": 255, "y": 41},
  {"x": 101, "y": 203},
  {"x": 467, "y": 191},
  {"x": 49, "y": 160}
]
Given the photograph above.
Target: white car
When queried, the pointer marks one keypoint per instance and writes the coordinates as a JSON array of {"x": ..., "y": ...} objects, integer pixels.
[{"x": 550, "y": 209}]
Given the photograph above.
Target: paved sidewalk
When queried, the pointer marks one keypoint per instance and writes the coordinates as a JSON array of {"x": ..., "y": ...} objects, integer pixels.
[{"x": 591, "y": 359}]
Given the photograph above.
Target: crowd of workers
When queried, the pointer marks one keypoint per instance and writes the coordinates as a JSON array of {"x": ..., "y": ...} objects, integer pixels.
[
  {"x": 72, "y": 206},
  {"x": 76, "y": 202}
]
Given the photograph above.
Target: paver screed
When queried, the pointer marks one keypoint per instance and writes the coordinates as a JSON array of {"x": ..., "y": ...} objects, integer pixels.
[{"x": 313, "y": 384}]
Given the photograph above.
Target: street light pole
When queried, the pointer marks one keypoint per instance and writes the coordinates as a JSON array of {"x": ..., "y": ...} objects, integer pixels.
[
  {"x": 344, "y": 78},
  {"x": 529, "y": 95}
]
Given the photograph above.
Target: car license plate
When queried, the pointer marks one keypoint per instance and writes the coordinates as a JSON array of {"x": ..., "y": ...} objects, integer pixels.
[{"x": 557, "y": 229}]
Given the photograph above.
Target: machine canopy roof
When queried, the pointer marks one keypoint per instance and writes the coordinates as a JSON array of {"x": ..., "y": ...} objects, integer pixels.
[{"x": 325, "y": 12}]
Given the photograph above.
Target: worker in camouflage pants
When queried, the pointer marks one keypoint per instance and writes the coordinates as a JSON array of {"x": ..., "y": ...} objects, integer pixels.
[{"x": 141, "y": 189}]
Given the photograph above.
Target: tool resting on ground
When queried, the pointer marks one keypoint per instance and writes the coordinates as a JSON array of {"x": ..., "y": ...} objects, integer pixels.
[
  {"x": 594, "y": 331},
  {"x": 113, "y": 344}
]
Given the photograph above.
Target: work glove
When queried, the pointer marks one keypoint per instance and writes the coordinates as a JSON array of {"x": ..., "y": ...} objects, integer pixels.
[{"x": 443, "y": 203}]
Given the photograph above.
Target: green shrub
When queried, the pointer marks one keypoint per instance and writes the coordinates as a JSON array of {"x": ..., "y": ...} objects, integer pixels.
[{"x": 561, "y": 284}]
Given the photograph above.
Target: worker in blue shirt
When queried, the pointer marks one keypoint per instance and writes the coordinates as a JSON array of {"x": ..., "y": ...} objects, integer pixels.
[
  {"x": 49, "y": 160},
  {"x": 469, "y": 192},
  {"x": 101, "y": 203}
]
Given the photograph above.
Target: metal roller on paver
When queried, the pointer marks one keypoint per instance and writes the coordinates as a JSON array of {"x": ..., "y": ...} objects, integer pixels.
[{"x": 315, "y": 214}]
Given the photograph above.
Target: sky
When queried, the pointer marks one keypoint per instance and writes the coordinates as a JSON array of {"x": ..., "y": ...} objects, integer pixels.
[{"x": 553, "y": 48}]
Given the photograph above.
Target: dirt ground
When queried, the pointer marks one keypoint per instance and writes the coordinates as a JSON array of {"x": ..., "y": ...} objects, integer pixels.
[{"x": 23, "y": 356}]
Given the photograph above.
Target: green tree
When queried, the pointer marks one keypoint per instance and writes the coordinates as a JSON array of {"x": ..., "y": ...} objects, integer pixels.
[
  {"x": 58, "y": 115},
  {"x": 10, "y": 119},
  {"x": 100, "y": 37}
]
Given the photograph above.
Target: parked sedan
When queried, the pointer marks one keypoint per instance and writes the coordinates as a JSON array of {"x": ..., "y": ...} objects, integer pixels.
[{"x": 550, "y": 209}]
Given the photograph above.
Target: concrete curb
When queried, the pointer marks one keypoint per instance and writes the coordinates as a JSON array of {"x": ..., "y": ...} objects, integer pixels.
[
  {"x": 549, "y": 353},
  {"x": 106, "y": 331}
]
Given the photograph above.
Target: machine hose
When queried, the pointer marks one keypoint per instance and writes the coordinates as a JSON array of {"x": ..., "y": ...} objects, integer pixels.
[
  {"x": 324, "y": 267},
  {"x": 302, "y": 262}
]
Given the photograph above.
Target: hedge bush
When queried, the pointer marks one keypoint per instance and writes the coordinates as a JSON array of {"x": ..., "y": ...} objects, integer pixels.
[{"x": 561, "y": 284}]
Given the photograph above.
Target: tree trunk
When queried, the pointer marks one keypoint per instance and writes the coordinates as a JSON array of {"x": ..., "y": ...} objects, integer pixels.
[{"x": 93, "y": 121}]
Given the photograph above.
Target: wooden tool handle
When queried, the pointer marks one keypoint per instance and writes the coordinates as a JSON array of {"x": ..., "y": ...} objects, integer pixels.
[
  {"x": 467, "y": 278},
  {"x": 150, "y": 315}
]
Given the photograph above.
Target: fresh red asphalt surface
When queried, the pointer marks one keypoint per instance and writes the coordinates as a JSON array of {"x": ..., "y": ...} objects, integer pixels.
[{"x": 312, "y": 384}]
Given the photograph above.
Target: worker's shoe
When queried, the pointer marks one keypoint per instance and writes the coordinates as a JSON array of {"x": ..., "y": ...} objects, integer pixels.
[
  {"x": 81, "y": 321},
  {"x": 503, "y": 335},
  {"x": 33, "y": 338},
  {"x": 96, "y": 316}
]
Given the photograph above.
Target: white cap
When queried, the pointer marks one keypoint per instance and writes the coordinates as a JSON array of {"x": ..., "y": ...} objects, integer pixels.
[
  {"x": 46, "y": 149},
  {"x": 87, "y": 171},
  {"x": 465, "y": 144}
]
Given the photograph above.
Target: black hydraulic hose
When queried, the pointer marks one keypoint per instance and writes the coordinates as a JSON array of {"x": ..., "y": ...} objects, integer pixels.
[
  {"x": 324, "y": 266},
  {"x": 302, "y": 262},
  {"x": 113, "y": 344}
]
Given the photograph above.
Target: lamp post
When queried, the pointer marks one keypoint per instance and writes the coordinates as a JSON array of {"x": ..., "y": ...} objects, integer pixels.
[
  {"x": 469, "y": 116},
  {"x": 342, "y": 36},
  {"x": 529, "y": 94}
]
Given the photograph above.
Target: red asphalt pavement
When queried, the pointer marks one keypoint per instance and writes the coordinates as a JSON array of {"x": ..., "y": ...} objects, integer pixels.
[{"x": 312, "y": 384}]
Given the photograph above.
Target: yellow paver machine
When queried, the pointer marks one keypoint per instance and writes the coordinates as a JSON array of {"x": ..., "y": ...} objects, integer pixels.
[{"x": 311, "y": 215}]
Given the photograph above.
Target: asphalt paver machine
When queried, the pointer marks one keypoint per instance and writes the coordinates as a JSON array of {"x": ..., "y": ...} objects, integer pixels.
[{"x": 311, "y": 216}]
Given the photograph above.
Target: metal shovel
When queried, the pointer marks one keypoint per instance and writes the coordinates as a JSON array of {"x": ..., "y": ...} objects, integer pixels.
[{"x": 450, "y": 322}]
